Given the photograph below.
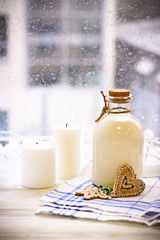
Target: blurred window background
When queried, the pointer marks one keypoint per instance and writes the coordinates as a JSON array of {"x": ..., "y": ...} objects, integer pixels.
[{"x": 56, "y": 56}]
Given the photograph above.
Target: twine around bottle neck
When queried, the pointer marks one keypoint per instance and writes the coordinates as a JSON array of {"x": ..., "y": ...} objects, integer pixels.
[{"x": 116, "y": 110}]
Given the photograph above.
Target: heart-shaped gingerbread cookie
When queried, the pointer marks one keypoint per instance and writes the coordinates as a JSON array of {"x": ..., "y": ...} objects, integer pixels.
[{"x": 126, "y": 184}]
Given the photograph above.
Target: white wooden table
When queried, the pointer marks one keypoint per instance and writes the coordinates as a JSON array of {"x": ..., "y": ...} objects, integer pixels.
[{"x": 18, "y": 221}]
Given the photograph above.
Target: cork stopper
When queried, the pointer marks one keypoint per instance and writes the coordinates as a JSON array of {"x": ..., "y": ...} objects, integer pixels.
[{"x": 119, "y": 93}]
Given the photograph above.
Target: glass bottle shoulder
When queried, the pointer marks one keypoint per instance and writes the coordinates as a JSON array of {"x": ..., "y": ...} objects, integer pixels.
[
  {"x": 121, "y": 117},
  {"x": 124, "y": 122}
]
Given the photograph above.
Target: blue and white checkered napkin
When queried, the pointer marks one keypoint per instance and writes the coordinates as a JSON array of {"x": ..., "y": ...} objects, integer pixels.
[{"x": 144, "y": 208}]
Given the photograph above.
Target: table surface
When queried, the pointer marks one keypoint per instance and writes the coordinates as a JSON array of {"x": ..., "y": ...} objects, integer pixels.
[{"x": 18, "y": 221}]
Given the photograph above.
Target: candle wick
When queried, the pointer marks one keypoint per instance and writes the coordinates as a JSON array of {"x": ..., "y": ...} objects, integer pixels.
[{"x": 66, "y": 124}]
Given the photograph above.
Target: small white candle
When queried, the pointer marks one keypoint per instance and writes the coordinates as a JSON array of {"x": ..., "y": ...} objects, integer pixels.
[
  {"x": 67, "y": 141},
  {"x": 38, "y": 164}
]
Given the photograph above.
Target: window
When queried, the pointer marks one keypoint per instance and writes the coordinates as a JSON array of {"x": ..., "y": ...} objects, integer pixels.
[
  {"x": 61, "y": 53},
  {"x": 138, "y": 58},
  {"x": 3, "y": 36},
  {"x": 3, "y": 121},
  {"x": 64, "y": 42}
]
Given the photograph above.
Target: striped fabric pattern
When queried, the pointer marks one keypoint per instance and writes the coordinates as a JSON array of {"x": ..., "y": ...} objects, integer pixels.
[{"x": 144, "y": 208}]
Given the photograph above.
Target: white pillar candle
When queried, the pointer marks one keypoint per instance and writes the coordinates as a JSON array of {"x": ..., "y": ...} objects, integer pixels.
[
  {"x": 67, "y": 140},
  {"x": 38, "y": 164}
]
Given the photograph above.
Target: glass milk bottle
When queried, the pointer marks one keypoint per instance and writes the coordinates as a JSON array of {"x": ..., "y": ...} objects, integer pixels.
[{"x": 117, "y": 139}]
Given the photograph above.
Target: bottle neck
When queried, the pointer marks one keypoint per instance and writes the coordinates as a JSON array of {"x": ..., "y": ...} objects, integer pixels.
[
  {"x": 115, "y": 104},
  {"x": 118, "y": 108}
]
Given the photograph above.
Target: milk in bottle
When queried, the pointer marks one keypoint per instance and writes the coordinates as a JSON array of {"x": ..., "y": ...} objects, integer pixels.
[{"x": 117, "y": 139}]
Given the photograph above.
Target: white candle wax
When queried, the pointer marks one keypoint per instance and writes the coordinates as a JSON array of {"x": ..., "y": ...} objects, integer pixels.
[
  {"x": 67, "y": 151},
  {"x": 38, "y": 164}
]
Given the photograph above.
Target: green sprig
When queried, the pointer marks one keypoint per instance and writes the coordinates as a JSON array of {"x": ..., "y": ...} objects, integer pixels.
[{"x": 105, "y": 190}]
